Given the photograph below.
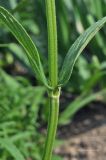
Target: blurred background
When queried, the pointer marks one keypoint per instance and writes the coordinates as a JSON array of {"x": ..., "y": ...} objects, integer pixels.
[{"x": 23, "y": 103}]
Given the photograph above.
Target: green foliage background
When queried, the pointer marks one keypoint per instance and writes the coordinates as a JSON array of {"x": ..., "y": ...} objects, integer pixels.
[{"x": 22, "y": 104}]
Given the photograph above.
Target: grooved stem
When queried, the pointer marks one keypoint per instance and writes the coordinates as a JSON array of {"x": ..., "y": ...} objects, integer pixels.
[
  {"x": 52, "y": 126},
  {"x": 53, "y": 79},
  {"x": 52, "y": 42}
]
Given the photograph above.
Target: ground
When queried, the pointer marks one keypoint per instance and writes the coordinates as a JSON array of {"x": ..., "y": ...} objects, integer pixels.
[{"x": 85, "y": 137}]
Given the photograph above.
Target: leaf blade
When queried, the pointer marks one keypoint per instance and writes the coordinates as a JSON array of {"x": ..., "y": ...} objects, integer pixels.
[
  {"x": 24, "y": 39},
  {"x": 76, "y": 49},
  {"x": 11, "y": 148}
]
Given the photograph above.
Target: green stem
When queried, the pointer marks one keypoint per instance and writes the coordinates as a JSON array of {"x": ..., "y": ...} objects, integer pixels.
[
  {"x": 52, "y": 42},
  {"x": 53, "y": 78},
  {"x": 52, "y": 125}
]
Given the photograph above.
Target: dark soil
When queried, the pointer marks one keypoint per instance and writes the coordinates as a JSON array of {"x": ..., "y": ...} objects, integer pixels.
[{"x": 85, "y": 137}]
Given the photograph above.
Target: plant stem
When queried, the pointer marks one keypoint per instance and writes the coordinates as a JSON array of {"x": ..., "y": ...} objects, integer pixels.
[
  {"x": 52, "y": 42},
  {"x": 52, "y": 126},
  {"x": 53, "y": 79}
]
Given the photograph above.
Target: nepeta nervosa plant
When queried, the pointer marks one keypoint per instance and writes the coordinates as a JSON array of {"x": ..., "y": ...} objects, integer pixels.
[{"x": 57, "y": 79}]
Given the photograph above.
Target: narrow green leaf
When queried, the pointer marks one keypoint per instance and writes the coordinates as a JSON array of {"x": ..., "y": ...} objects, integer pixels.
[
  {"x": 11, "y": 148},
  {"x": 55, "y": 157},
  {"x": 78, "y": 104},
  {"x": 76, "y": 50},
  {"x": 24, "y": 39}
]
